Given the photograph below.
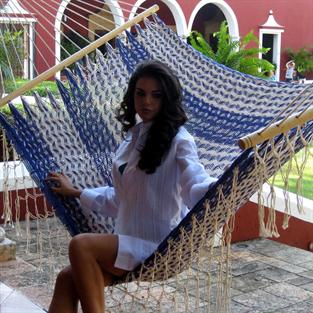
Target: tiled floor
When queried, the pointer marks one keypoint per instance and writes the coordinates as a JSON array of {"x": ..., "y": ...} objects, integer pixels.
[
  {"x": 13, "y": 301},
  {"x": 31, "y": 276},
  {"x": 266, "y": 277},
  {"x": 19, "y": 288}
]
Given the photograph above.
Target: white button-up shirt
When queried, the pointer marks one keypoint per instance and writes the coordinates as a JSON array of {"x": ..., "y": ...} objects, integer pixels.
[{"x": 148, "y": 206}]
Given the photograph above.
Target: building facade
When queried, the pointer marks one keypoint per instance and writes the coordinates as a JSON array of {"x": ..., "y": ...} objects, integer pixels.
[{"x": 279, "y": 24}]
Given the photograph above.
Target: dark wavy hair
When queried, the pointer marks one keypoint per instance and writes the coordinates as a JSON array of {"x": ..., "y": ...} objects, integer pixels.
[{"x": 167, "y": 122}]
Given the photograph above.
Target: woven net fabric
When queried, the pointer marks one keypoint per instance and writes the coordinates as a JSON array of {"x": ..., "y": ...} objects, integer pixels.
[{"x": 78, "y": 134}]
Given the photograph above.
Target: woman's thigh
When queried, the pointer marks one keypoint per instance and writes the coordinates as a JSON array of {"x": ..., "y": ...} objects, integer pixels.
[{"x": 102, "y": 247}]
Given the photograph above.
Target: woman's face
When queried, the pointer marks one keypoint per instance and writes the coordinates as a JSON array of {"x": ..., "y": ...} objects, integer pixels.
[{"x": 148, "y": 98}]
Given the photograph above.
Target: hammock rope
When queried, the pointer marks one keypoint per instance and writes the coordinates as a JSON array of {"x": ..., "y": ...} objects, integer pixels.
[
  {"x": 77, "y": 56},
  {"x": 77, "y": 133},
  {"x": 17, "y": 14}
]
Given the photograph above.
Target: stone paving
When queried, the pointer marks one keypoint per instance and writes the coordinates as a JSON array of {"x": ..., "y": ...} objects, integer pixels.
[{"x": 266, "y": 276}]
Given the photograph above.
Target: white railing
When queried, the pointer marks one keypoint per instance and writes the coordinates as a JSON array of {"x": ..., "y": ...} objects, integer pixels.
[
  {"x": 14, "y": 176},
  {"x": 19, "y": 178},
  {"x": 306, "y": 204}
]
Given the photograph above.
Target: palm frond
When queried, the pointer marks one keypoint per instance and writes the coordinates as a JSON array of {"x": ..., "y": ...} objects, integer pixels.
[
  {"x": 196, "y": 40},
  {"x": 234, "y": 53}
]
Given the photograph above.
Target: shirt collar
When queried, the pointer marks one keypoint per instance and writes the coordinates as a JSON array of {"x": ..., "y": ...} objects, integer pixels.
[{"x": 140, "y": 128}]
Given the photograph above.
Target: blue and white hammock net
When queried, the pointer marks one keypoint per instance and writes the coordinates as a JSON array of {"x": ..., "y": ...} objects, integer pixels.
[{"x": 77, "y": 134}]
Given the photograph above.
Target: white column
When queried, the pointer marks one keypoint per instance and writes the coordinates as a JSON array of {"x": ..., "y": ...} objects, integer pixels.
[
  {"x": 276, "y": 46},
  {"x": 31, "y": 50},
  {"x": 26, "y": 53}
]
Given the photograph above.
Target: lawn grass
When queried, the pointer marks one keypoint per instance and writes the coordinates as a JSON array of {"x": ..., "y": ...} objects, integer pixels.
[
  {"x": 307, "y": 182},
  {"x": 10, "y": 85}
]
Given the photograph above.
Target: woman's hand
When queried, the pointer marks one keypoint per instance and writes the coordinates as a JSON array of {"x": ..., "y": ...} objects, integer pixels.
[{"x": 61, "y": 184}]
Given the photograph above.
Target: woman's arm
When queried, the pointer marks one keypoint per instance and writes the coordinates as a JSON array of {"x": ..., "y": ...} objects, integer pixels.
[
  {"x": 102, "y": 199},
  {"x": 61, "y": 184},
  {"x": 194, "y": 179}
]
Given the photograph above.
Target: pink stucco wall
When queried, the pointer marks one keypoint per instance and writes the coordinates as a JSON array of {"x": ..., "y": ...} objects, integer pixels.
[
  {"x": 44, "y": 34},
  {"x": 295, "y": 16}
]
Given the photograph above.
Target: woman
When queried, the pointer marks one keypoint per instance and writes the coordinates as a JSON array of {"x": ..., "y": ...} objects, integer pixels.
[
  {"x": 156, "y": 176},
  {"x": 290, "y": 71}
]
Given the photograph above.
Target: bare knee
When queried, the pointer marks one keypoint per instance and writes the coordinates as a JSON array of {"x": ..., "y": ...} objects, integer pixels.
[
  {"x": 78, "y": 247},
  {"x": 65, "y": 277}
]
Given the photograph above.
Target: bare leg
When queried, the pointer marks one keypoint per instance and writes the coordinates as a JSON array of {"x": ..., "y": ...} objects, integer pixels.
[
  {"x": 65, "y": 297},
  {"x": 92, "y": 258}
]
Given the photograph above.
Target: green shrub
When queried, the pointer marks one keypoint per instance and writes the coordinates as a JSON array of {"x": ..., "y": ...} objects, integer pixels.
[
  {"x": 303, "y": 59},
  {"x": 11, "y": 53},
  {"x": 72, "y": 43},
  {"x": 234, "y": 54}
]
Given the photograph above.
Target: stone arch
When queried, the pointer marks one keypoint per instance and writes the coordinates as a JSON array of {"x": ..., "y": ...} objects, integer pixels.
[
  {"x": 226, "y": 10},
  {"x": 175, "y": 9},
  {"x": 112, "y": 4}
]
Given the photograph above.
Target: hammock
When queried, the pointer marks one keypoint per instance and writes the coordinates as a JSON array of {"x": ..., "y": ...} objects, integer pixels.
[{"x": 78, "y": 135}]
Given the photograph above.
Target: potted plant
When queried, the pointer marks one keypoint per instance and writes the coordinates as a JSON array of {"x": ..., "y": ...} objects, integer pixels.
[{"x": 234, "y": 54}]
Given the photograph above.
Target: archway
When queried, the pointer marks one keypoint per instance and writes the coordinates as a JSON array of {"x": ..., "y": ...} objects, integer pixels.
[
  {"x": 170, "y": 12},
  {"x": 208, "y": 15},
  {"x": 91, "y": 24}
]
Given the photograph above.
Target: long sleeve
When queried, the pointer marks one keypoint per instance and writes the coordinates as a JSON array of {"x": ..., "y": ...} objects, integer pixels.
[
  {"x": 146, "y": 207},
  {"x": 102, "y": 200},
  {"x": 194, "y": 180}
]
